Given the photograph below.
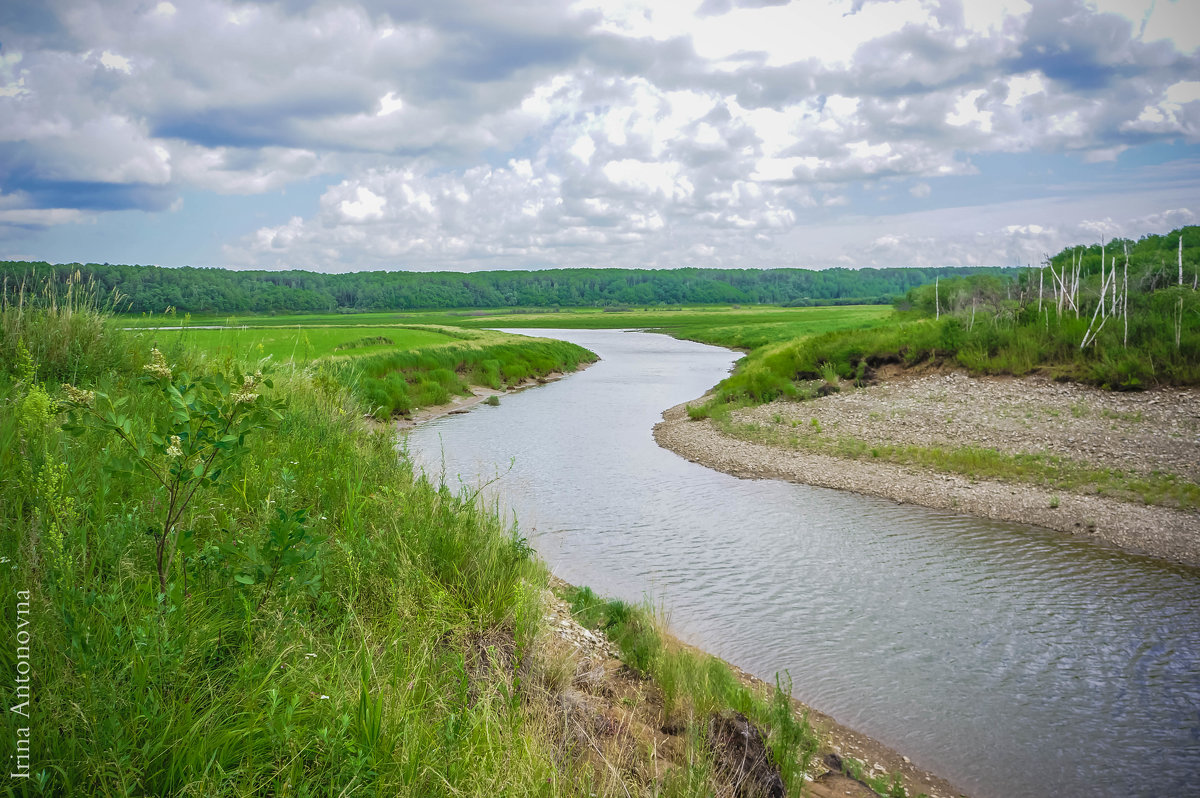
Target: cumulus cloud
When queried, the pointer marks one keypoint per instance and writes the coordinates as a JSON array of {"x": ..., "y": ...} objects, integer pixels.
[{"x": 466, "y": 134}]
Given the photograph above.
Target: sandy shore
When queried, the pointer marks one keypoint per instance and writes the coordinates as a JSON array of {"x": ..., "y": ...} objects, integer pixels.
[{"x": 1139, "y": 434}]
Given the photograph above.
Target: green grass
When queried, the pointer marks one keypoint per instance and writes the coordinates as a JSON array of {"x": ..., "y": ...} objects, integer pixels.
[
  {"x": 744, "y": 326},
  {"x": 394, "y": 382},
  {"x": 696, "y": 686},
  {"x": 393, "y": 370},
  {"x": 391, "y": 382},
  {"x": 384, "y": 666},
  {"x": 300, "y": 343},
  {"x": 1017, "y": 341},
  {"x": 396, "y": 659}
]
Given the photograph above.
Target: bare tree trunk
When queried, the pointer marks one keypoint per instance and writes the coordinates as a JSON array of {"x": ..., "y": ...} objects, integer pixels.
[
  {"x": 1075, "y": 283},
  {"x": 937, "y": 302},
  {"x": 1063, "y": 295},
  {"x": 1181, "y": 257},
  {"x": 1116, "y": 300},
  {"x": 1041, "y": 276},
  {"x": 1125, "y": 299},
  {"x": 1178, "y": 323},
  {"x": 1090, "y": 336},
  {"x": 1103, "y": 284}
]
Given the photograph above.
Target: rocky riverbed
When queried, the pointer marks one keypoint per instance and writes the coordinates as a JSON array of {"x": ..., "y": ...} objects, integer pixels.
[{"x": 1137, "y": 434}]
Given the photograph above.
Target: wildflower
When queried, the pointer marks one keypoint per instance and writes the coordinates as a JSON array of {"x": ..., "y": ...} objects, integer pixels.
[
  {"x": 174, "y": 449},
  {"x": 79, "y": 396},
  {"x": 246, "y": 395},
  {"x": 157, "y": 366}
]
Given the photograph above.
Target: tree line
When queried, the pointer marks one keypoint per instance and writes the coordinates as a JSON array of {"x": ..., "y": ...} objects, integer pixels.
[{"x": 153, "y": 289}]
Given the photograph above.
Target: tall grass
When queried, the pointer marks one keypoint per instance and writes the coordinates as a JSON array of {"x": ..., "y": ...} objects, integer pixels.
[
  {"x": 397, "y": 382},
  {"x": 394, "y": 661},
  {"x": 1162, "y": 347},
  {"x": 695, "y": 688},
  {"x": 64, "y": 328},
  {"x": 386, "y": 665}
]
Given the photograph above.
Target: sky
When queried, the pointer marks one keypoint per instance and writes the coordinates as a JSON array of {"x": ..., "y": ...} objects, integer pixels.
[{"x": 335, "y": 135}]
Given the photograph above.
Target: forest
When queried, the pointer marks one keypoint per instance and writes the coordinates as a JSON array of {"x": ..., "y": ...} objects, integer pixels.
[{"x": 153, "y": 289}]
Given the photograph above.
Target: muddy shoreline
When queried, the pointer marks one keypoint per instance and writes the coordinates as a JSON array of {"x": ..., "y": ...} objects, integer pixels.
[{"x": 1137, "y": 433}]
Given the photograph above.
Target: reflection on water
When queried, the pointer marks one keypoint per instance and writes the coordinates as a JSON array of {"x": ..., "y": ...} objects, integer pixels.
[{"x": 1013, "y": 661}]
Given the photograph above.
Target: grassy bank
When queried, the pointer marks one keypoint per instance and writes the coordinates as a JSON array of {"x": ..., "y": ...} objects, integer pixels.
[
  {"x": 392, "y": 369},
  {"x": 398, "y": 382},
  {"x": 991, "y": 328},
  {"x": 230, "y": 586},
  {"x": 301, "y": 343}
]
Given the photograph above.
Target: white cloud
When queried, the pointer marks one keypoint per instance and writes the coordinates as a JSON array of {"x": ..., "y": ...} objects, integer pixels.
[
  {"x": 626, "y": 130},
  {"x": 389, "y": 104},
  {"x": 116, "y": 62},
  {"x": 366, "y": 205}
]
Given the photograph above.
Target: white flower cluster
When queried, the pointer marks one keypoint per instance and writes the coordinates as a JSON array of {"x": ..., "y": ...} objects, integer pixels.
[
  {"x": 247, "y": 395},
  {"x": 158, "y": 365},
  {"x": 174, "y": 449},
  {"x": 79, "y": 396}
]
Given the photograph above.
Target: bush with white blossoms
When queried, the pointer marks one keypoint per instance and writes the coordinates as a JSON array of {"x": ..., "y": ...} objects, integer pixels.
[{"x": 199, "y": 435}]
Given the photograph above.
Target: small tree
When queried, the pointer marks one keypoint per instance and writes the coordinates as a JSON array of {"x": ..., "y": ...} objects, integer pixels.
[{"x": 193, "y": 444}]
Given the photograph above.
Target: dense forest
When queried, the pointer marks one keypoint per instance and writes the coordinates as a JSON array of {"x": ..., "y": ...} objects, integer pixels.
[{"x": 153, "y": 289}]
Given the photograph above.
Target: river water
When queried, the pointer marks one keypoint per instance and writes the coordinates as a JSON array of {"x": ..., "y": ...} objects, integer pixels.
[{"x": 1011, "y": 660}]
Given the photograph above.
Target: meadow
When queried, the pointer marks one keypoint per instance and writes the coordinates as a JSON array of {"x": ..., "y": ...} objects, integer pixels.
[
  {"x": 233, "y": 586},
  {"x": 397, "y": 363},
  {"x": 301, "y": 342}
]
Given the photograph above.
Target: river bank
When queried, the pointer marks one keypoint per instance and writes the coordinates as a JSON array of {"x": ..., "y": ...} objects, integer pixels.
[
  {"x": 617, "y": 717},
  {"x": 620, "y": 715},
  {"x": 835, "y": 441},
  {"x": 479, "y": 394}
]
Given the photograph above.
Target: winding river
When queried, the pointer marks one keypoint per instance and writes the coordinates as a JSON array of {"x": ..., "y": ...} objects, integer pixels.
[{"x": 1011, "y": 660}]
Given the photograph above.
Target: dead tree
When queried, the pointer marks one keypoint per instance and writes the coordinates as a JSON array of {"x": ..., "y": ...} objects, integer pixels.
[
  {"x": 1089, "y": 336},
  {"x": 1125, "y": 299}
]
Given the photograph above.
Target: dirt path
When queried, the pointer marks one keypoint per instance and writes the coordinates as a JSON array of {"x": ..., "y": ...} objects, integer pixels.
[{"x": 1139, "y": 434}]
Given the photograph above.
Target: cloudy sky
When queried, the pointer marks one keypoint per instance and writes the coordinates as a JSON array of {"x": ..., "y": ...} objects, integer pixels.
[{"x": 342, "y": 135}]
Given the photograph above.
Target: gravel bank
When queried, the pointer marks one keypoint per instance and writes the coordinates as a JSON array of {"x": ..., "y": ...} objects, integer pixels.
[{"x": 1137, "y": 433}]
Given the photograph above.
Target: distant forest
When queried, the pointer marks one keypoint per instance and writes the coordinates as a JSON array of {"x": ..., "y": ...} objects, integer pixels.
[{"x": 153, "y": 289}]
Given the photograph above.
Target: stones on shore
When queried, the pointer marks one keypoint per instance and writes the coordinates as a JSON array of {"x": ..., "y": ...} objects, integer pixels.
[{"x": 907, "y": 411}]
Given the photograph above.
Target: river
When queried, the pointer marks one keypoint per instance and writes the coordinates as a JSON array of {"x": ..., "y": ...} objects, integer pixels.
[{"x": 1011, "y": 660}]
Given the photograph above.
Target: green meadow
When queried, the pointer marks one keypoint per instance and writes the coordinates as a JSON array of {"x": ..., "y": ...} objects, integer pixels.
[
  {"x": 316, "y": 335},
  {"x": 232, "y": 585},
  {"x": 397, "y": 363},
  {"x": 300, "y": 342}
]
